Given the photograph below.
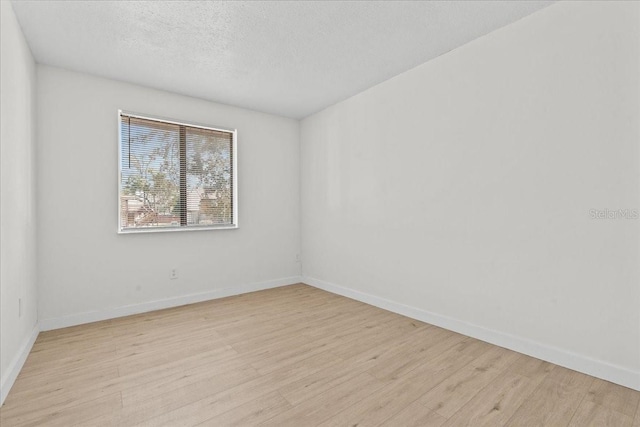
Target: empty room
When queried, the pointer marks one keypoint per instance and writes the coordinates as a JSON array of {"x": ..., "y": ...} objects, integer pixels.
[{"x": 322, "y": 213}]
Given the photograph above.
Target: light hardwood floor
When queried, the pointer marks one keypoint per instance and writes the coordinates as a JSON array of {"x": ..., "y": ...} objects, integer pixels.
[{"x": 296, "y": 356}]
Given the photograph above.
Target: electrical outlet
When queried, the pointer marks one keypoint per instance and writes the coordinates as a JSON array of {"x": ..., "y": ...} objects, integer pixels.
[
  {"x": 298, "y": 258},
  {"x": 19, "y": 307},
  {"x": 174, "y": 273}
]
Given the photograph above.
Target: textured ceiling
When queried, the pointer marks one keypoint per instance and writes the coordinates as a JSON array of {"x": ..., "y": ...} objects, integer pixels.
[{"x": 286, "y": 58}]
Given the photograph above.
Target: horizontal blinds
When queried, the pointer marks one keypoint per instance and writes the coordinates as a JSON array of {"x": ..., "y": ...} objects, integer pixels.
[
  {"x": 209, "y": 176},
  {"x": 174, "y": 175}
]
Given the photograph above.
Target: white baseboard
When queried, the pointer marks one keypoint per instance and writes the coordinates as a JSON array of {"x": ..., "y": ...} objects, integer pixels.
[
  {"x": 577, "y": 362},
  {"x": 112, "y": 313},
  {"x": 7, "y": 380}
]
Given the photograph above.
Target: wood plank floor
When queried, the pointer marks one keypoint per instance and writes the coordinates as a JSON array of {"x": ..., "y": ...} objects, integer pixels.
[{"x": 296, "y": 356}]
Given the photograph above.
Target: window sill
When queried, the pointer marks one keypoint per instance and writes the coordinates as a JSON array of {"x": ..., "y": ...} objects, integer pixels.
[{"x": 143, "y": 230}]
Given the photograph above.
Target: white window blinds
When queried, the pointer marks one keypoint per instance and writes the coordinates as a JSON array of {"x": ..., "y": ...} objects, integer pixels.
[{"x": 175, "y": 176}]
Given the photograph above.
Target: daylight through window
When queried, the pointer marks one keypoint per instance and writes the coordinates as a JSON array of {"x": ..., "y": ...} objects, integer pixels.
[{"x": 175, "y": 176}]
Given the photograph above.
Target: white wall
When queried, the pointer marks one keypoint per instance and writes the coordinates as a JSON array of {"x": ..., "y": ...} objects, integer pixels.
[
  {"x": 88, "y": 271},
  {"x": 17, "y": 198},
  {"x": 462, "y": 189}
]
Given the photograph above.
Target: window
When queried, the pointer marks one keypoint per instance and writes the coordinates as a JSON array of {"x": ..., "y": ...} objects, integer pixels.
[{"x": 176, "y": 176}]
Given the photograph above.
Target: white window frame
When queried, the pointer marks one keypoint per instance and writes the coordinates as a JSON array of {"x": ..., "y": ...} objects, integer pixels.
[{"x": 165, "y": 229}]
